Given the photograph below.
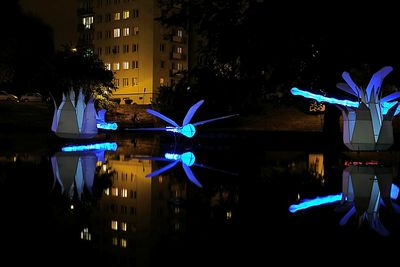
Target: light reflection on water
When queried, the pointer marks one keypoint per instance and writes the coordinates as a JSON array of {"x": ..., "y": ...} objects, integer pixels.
[{"x": 111, "y": 214}]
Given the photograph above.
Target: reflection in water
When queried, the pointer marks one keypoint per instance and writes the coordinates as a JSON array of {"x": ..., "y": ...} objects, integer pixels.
[
  {"x": 74, "y": 168},
  {"x": 365, "y": 188},
  {"x": 187, "y": 159},
  {"x": 134, "y": 212}
]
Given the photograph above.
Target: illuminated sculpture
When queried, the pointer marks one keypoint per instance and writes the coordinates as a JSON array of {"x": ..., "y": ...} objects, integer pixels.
[
  {"x": 187, "y": 129},
  {"x": 77, "y": 119},
  {"x": 367, "y": 122},
  {"x": 187, "y": 159},
  {"x": 74, "y": 167},
  {"x": 364, "y": 189}
]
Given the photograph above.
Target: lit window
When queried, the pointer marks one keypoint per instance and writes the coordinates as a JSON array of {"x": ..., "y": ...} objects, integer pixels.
[
  {"x": 107, "y": 191},
  {"x": 85, "y": 235},
  {"x": 124, "y": 192},
  {"x": 117, "y": 32},
  {"x": 115, "y": 241},
  {"x": 124, "y": 226},
  {"x": 176, "y": 210},
  {"x": 136, "y": 30},
  {"x": 125, "y": 31},
  {"x": 229, "y": 215},
  {"x": 179, "y": 33},
  {"x": 114, "y": 225},
  {"x": 135, "y": 81},
  {"x": 116, "y": 67},
  {"x": 179, "y": 50},
  {"x": 160, "y": 178},
  {"x": 125, "y": 14},
  {"x": 125, "y": 65},
  {"x": 108, "y": 66},
  {"x": 88, "y": 21},
  {"x": 114, "y": 191},
  {"x": 123, "y": 242},
  {"x": 117, "y": 16}
]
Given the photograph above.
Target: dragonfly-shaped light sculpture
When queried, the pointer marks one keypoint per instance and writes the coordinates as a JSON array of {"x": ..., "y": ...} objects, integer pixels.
[
  {"x": 188, "y": 160},
  {"x": 187, "y": 129}
]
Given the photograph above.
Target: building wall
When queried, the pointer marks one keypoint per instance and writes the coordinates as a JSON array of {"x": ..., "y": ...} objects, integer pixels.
[{"x": 149, "y": 55}]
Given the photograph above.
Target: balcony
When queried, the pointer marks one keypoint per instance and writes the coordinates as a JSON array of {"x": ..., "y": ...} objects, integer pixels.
[{"x": 177, "y": 56}]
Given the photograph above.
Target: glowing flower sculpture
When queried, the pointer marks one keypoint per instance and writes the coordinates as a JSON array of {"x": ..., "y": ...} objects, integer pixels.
[
  {"x": 367, "y": 122},
  {"x": 77, "y": 119}
]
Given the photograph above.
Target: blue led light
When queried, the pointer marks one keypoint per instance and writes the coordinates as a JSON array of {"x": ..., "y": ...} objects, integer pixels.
[
  {"x": 394, "y": 192},
  {"x": 99, "y": 146},
  {"x": 188, "y": 158},
  {"x": 307, "y": 203},
  {"x": 107, "y": 125},
  {"x": 188, "y": 130}
]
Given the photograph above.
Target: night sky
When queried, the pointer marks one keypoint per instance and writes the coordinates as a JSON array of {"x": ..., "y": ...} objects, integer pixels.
[{"x": 59, "y": 14}]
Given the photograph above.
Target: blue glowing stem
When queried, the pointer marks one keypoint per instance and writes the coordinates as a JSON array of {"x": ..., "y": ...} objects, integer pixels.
[
  {"x": 107, "y": 125},
  {"x": 385, "y": 106},
  {"x": 320, "y": 98},
  {"x": 99, "y": 146},
  {"x": 307, "y": 203}
]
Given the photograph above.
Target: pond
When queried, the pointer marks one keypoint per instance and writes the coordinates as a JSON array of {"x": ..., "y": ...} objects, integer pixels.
[{"x": 221, "y": 198}]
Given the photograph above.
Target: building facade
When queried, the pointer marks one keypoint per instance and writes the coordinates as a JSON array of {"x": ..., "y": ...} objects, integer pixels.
[{"x": 143, "y": 54}]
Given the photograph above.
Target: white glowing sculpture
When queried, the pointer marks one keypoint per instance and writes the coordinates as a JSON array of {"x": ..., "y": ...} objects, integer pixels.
[
  {"x": 367, "y": 122},
  {"x": 72, "y": 120},
  {"x": 77, "y": 119},
  {"x": 364, "y": 189},
  {"x": 75, "y": 166}
]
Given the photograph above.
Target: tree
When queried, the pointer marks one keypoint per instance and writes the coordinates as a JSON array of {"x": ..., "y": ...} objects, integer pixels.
[
  {"x": 81, "y": 68},
  {"x": 26, "y": 50}
]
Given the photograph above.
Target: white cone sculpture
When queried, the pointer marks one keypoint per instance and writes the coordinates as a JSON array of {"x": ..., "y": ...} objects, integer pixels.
[{"x": 77, "y": 121}]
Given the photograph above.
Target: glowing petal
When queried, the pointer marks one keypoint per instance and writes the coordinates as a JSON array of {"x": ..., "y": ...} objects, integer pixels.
[
  {"x": 163, "y": 169},
  {"x": 161, "y": 116},
  {"x": 191, "y": 111},
  {"x": 190, "y": 175}
]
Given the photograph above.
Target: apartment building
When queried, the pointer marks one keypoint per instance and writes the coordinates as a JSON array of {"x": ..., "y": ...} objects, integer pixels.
[{"x": 142, "y": 53}]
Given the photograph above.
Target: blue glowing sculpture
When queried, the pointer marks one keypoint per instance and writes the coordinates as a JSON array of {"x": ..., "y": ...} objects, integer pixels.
[
  {"x": 187, "y": 129},
  {"x": 367, "y": 122},
  {"x": 187, "y": 159},
  {"x": 74, "y": 167},
  {"x": 365, "y": 188},
  {"x": 77, "y": 119}
]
